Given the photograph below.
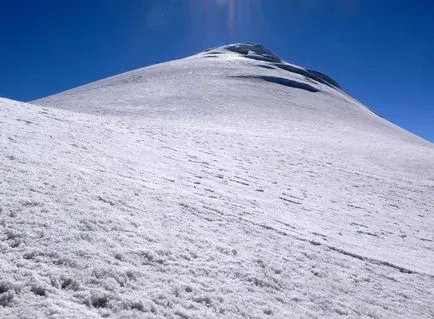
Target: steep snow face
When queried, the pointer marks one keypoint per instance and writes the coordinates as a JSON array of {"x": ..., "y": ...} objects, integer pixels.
[
  {"x": 216, "y": 186},
  {"x": 241, "y": 83}
]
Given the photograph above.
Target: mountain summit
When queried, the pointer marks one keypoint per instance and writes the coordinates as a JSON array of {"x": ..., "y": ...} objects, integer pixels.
[
  {"x": 228, "y": 184},
  {"x": 231, "y": 63},
  {"x": 260, "y": 53},
  {"x": 209, "y": 86}
]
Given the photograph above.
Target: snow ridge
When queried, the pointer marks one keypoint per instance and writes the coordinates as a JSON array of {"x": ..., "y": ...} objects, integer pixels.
[{"x": 258, "y": 52}]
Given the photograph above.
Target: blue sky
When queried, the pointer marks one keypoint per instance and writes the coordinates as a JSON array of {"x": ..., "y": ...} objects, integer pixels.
[{"x": 381, "y": 52}]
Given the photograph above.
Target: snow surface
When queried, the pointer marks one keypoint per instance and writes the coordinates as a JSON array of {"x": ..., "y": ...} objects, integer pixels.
[{"x": 229, "y": 184}]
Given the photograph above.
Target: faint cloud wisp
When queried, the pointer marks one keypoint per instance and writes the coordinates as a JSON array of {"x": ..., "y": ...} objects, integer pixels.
[{"x": 237, "y": 13}]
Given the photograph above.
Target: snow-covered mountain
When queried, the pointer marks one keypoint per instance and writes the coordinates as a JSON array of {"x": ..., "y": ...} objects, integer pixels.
[{"x": 228, "y": 184}]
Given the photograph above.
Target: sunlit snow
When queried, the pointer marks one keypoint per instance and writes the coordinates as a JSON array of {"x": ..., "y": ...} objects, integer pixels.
[{"x": 229, "y": 184}]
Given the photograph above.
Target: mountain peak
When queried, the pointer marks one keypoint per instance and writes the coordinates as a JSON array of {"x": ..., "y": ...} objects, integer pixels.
[
  {"x": 211, "y": 187},
  {"x": 256, "y": 51},
  {"x": 251, "y": 50}
]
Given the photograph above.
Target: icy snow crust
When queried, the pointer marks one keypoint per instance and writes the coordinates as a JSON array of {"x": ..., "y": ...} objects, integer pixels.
[{"x": 223, "y": 185}]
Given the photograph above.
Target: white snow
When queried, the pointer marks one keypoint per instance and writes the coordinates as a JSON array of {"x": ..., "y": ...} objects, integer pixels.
[{"x": 215, "y": 186}]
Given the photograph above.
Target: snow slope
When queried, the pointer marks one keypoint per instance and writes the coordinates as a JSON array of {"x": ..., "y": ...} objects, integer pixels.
[{"x": 229, "y": 184}]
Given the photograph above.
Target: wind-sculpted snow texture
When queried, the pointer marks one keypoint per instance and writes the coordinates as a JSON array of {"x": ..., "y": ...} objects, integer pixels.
[{"x": 200, "y": 189}]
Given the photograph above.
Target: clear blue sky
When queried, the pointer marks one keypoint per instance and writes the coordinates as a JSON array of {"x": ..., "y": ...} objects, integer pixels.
[{"x": 381, "y": 52}]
